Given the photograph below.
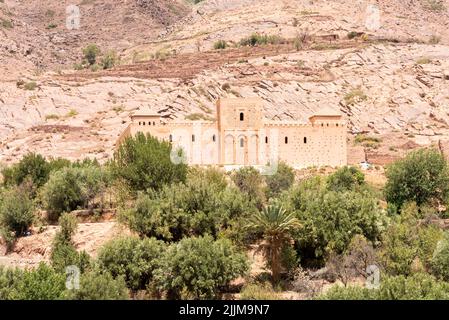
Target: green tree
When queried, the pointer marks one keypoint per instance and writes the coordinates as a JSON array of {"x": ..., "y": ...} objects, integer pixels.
[
  {"x": 331, "y": 219},
  {"x": 199, "y": 206},
  {"x": 32, "y": 166},
  {"x": 71, "y": 188},
  {"x": 109, "y": 60},
  {"x": 16, "y": 211},
  {"x": 250, "y": 182},
  {"x": 42, "y": 283},
  {"x": 134, "y": 259},
  {"x": 199, "y": 268},
  {"x": 420, "y": 286},
  {"x": 440, "y": 258},
  {"x": 145, "y": 163},
  {"x": 63, "y": 253},
  {"x": 346, "y": 179},
  {"x": 90, "y": 53},
  {"x": 422, "y": 177},
  {"x": 276, "y": 225},
  {"x": 407, "y": 244},
  {"x": 282, "y": 180},
  {"x": 98, "y": 285}
]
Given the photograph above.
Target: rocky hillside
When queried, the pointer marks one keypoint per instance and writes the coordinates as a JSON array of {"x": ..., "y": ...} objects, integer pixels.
[{"x": 390, "y": 81}]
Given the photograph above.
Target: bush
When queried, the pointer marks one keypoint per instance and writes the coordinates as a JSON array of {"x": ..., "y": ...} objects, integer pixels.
[
  {"x": 63, "y": 252},
  {"x": 258, "y": 292},
  {"x": 280, "y": 181},
  {"x": 16, "y": 211},
  {"x": 42, "y": 283},
  {"x": 96, "y": 285},
  {"x": 199, "y": 268},
  {"x": 90, "y": 53},
  {"x": 144, "y": 162},
  {"x": 250, "y": 182},
  {"x": 440, "y": 259},
  {"x": 261, "y": 39},
  {"x": 71, "y": 188},
  {"x": 346, "y": 179},
  {"x": 32, "y": 166},
  {"x": 134, "y": 259},
  {"x": 422, "y": 177},
  {"x": 420, "y": 286},
  {"x": 408, "y": 244},
  {"x": 331, "y": 219},
  {"x": 109, "y": 60},
  {"x": 220, "y": 45},
  {"x": 201, "y": 205}
]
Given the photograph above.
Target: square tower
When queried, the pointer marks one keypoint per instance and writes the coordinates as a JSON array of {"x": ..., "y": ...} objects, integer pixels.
[{"x": 240, "y": 114}]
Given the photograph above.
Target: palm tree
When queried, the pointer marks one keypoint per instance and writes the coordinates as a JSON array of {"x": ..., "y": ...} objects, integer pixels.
[{"x": 276, "y": 225}]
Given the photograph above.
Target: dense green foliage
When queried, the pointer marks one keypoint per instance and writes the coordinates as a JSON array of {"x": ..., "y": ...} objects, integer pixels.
[
  {"x": 72, "y": 188},
  {"x": 346, "y": 179},
  {"x": 16, "y": 211},
  {"x": 145, "y": 163},
  {"x": 193, "y": 226},
  {"x": 251, "y": 183},
  {"x": 204, "y": 204},
  {"x": 63, "y": 252},
  {"x": 440, "y": 258},
  {"x": 32, "y": 166},
  {"x": 199, "y": 267},
  {"x": 330, "y": 219},
  {"x": 422, "y": 177},
  {"x": 407, "y": 244},
  {"x": 420, "y": 286},
  {"x": 96, "y": 285},
  {"x": 280, "y": 181},
  {"x": 132, "y": 258},
  {"x": 43, "y": 283}
]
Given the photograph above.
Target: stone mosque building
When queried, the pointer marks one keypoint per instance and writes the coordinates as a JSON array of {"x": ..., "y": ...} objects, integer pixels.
[{"x": 241, "y": 136}]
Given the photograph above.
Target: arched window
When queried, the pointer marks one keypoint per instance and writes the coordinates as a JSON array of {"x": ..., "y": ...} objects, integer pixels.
[
  {"x": 193, "y": 138},
  {"x": 214, "y": 138},
  {"x": 322, "y": 124},
  {"x": 242, "y": 116},
  {"x": 337, "y": 124},
  {"x": 170, "y": 138},
  {"x": 286, "y": 140},
  {"x": 140, "y": 123},
  {"x": 154, "y": 123},
  {"x": 149, "y": 123},
  {"x": 143, "y": 123},
  {"x": 242, "y": 143},
  {"x": 266, "y": 139},
  {"x": 305, "y": 139}
]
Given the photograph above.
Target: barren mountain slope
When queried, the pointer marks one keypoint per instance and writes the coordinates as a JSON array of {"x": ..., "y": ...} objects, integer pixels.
[
  {"x": 395, "y": 84},
  {"x": 37, "y": 32}
]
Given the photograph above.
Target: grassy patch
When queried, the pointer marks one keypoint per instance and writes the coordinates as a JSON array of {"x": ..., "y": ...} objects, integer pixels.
[
  {"x": 6, "y": 23},
  {"x": 354, "y": 96},
  {"x": 51, "y": 117},
  {"x": 30, "y": 86},
  {"x": 367, "y": 141},
  {"x": 257, "y": 39},
  {"x": 434, "y": 5},
  {"x": 220, "y": 45},
  {"x": 72, "y": 113},
  {"x": 423, "y": 60}
]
